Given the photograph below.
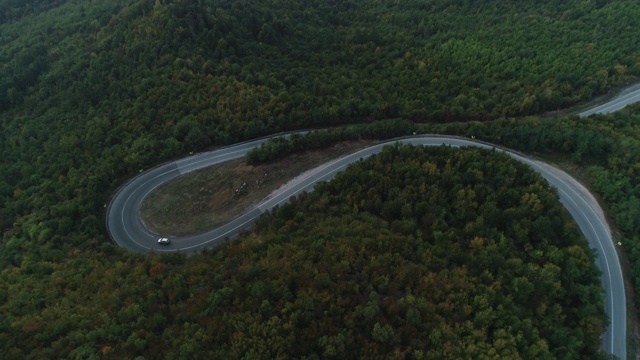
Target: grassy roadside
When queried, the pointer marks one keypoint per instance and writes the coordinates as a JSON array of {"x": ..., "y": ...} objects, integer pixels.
[{"x": 208, "y": 198}]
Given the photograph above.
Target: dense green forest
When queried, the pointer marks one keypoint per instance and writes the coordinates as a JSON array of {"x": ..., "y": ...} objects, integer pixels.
[
  {"x": 92, "y": 92},
  {"x": 425, "y": 253},
  {"x": 605, "y": 149}
]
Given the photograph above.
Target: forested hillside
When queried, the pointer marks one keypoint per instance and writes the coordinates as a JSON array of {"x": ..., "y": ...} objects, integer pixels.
[
  {"x": 417, "y": 252},
  {"x": 604, "y": 149},
  {"x": 92, "y": 92}
]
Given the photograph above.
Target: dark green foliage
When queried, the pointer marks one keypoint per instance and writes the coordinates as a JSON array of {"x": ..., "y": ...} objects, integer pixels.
[
  {"x": 91, "y": 92},
  {"x": 416, "y": 252},
  {"x": 431, "y": 251},
  {"x": 280, "y": 147},
  {"x": 12, "y": 10},
  {"x": 585, "y": 140},
  {"x": 607, "y": 147}
]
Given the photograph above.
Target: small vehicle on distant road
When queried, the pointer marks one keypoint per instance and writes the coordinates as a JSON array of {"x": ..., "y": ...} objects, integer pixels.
[{"x": 163, "y": 241}]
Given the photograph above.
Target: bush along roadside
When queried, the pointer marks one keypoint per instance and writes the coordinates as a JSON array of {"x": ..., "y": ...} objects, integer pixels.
[{"x": 378, "y": 130}]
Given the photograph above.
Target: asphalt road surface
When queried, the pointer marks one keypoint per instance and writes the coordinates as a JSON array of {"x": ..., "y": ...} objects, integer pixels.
[
  {"x": 127, "y": 230},
  {"x": 627, "y": 97}
]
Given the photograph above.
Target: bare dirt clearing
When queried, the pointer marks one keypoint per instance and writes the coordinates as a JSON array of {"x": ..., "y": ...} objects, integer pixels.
[{"x": 208, "y": 198}]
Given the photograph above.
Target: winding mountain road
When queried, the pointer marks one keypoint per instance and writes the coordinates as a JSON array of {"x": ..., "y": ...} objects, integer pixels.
[{"x": 127, "y": 230}]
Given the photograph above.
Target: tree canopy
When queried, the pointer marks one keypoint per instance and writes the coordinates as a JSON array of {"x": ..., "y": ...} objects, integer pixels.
[
  {"x": 93, "y": 92},
  {"x": 603, "y": 149},
  {"x": 425, "y": 253}
]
